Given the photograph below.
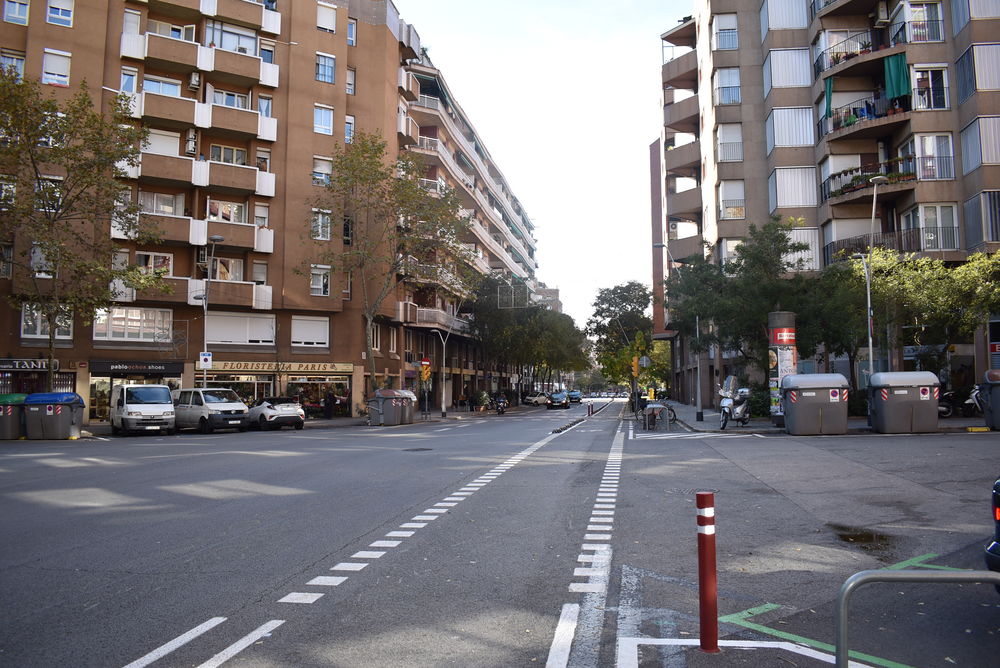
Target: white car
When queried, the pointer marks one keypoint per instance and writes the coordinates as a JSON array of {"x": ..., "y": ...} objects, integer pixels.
[
  {"x": 536, "y": 399},
  {"x": 276, "y": 412}
]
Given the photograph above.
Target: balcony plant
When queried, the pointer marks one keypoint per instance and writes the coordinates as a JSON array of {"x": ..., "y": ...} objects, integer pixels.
[{"x": 866, "y": 47}]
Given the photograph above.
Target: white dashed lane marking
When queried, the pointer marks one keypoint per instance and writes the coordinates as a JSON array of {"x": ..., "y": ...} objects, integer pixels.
[
  {"x": 300, "y": 597},
  {"x": 327, "y": 581},
  {"x": 349, "y": 566}
]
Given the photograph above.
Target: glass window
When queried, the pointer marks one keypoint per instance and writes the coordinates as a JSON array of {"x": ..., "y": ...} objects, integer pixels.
[
  {"x": 267, "y": 52},
  {"x": 159, "y": 86},
  {"x": 352, "y": 32},
  {"x": 348, "y": 286},
  {"x": 227, "y": 269},
  {"x": 348, "y": 129},
  {"x": 128, "y": 80},
  {"x": 348, "y": 234},
  {"x": 322, "y": 171},
  {"x": 930, "y": 88},
  {"x": 230, "y": 99},
  {"x": 321, "y": 225},
  {"x": 261, "y": 215},
  {"x": 60, "y": 12},
  {"x": 264, "y": 103},
  {"x": 231, "y": 38},
  {"x": 160, "y": 203},
  {"x": 349, "y": 83},
  {"x": 34, "y": 323},
  {"x": 55, "y": 68},
  {"x": 16, "y": 11},
  {"x": 150, "y": 262},
  {"x": 376, "y": 336},
  {"x": 326, "y": 17},
  {"x": 229, "y": 212},
  {"x": 6, "y": 260},
  {"x": 170, "y": 30},
  {"x": 322, "y": 120},
  {"x": 228, "y": 154},
  {"x": 319, "y": 280},
  {"x": 325, "y": 67},
  {"x": 13, "y": 60},
  {"x": 133, "y": 324},
  {"x": 260, "y": 272}
]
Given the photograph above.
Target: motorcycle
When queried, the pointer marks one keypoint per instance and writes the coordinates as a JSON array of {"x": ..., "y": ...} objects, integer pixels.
[
  {"x": 946, "y": 404},
  {"x": 975, "y": 405},
  {"x": 735, "y": 403},
  {"x": 501, "y": 404}
]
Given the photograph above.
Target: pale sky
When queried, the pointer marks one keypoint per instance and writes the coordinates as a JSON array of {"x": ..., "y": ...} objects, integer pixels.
[{"x": 566, "y": 98}]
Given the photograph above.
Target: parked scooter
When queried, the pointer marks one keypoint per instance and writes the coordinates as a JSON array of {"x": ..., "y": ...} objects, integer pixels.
[
  {"x": 735, "y": 403},
  {"x": 975, "y": 405},
  {"x": 501, "y": 404},
  {"x": 946, "y": 404}
]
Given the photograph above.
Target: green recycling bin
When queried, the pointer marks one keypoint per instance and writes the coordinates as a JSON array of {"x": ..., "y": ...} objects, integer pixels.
[
  {"x": 11, "y": 416},
  {"x": 50, "y": 416}
]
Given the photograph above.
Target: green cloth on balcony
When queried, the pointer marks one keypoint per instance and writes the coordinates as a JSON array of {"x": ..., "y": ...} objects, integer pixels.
[
  {"x": 829, "y": 97},
  {"x": 897, "y": 76}
]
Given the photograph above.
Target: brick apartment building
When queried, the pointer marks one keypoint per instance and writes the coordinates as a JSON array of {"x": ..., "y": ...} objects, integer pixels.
[
  {"x": 790, "y": 107},
  {"x": 245, "y": 102}
]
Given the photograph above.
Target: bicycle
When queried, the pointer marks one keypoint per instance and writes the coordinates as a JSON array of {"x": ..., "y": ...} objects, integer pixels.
[{"x": 649, "y": 420}]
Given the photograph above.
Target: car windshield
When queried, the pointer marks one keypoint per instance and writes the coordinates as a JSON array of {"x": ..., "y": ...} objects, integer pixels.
[
  {"x": 147, "y": 395},
  {"x": 220, "y": 396}
]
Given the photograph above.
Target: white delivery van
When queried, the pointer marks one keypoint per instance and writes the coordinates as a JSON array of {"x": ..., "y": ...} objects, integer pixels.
[
  {"x": 210, "y": 408},
  {"x": 141, "y": 408}
]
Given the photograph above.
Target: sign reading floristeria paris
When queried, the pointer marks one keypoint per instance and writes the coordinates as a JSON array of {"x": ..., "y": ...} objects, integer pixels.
[{"x": 284, "y": 367}]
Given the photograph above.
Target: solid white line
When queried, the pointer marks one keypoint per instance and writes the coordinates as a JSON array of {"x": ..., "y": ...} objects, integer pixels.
[
  {"x": 562, "y": 641},
  {"x": 386, "y": 543},
  {"x": 326, "y": 581},
  {"x": 242, "y": 644},
  {"x": 179, "y": 641},
  {"x": 300, "y": 597}
]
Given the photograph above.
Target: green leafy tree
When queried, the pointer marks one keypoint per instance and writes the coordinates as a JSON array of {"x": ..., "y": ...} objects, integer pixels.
[
  {"x": 621, "y": 328},
  {"x": 63, "y": 211}
]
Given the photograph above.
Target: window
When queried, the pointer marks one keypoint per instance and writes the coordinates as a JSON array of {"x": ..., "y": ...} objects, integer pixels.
[
  {"x": 169, "y": 30},
  {"x": 965, "y": 74},
  {"x": 60, "y": 13},
  {"x": 729, "y": 142},
  {"x": 12, "y": 60},
  {"x": 244, "y": 328},
  {"x": 55, "y": 67},
  {"x": 392, "y": 339},
  {"x": 261, "y": 215},
  {"x": 731, "y": 200},
  {"x": 783, "y": 15},
  {"x": 227, "y": 269},
  {"x": 936, "y": 227},
  {"x": 982, "y": 218},
  {"x": 787, "y": 68},
  {"x": 930, "y": 88},
  {"x": 326, "y": 17},
  {"x": 352, "y": 32},
  {"x": 348, "y": 129},
  {"x": 325, "y": 67},
  {"x": 161, "y": 203},
  {"x": 980, "y": 143},
  {"x": 231, "y": 38},
  {"x": 133, "y": 324},
  {"x": 792, "y": 187},
  {"x": 348, "y": 286},
  {"x": 319, "y": 280},
  {"x": 130, "y": 22},
  {"x": 935, "y": 159},
  {"x": 16, "y": 11},
  {"x": 267, "y": 52},
  {"x": 322, "y": 171},
  {"x": 323, "y": 119},
  {"x": 230, "y": 99},
  {"x": 259, "y": 272},
  {"x": 724, "y": 33},
  {"x": 727, "y": 85},
  {"x": 790, "y": 126},
  {"x": 163, "y": 142},
  {"x": 321, "y": 225},
  {"x": 264, "y": 105},
  {"x": 6, "y": 260},
  {"x": 312, "y": 332},
  {"x": 228, "y": 154},
  {"x": 160, "y": 86},
  {"x": 48, "y": 193},
  {"x": 349, "y": 83},
  {"x": 149, "y": 262},
  {"x": 129, "y": 79},
  {"x": 35, "y": 325},
  {"x": 263, "y": 159},
  {"x": 978, "y": 69},
  {"x": 376, "y": 336},
  {"x": 348, "y": 231},
  {"x": 925, "y": 22},
  {"x": 228, "y": 212}
]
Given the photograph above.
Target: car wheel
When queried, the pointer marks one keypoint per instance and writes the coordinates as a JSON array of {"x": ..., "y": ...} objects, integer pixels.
[
  {"x": 204, "y": 426},
  {"x": 171, "y": 431},
  {"x": 115, "y": 431},
  {"x": 244, "y": 427},
  {"x": 262, "y": 423},
  {"x": 299, "y": 425}
]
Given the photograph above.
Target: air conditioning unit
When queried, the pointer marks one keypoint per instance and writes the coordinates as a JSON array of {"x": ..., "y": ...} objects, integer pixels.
[
  {"x": 194, "y": 82},
  {"x": 241, "y": 49},
  {"x": 881, "y": 14}
]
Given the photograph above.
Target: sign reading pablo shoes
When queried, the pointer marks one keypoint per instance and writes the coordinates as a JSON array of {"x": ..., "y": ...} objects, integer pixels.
[
  {"x": 26, "y": 365},
  {"x": 98, "y": 367},
  {"x": 283, "y": 367}
]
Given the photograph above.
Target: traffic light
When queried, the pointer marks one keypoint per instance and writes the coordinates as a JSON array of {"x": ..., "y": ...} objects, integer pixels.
[
  {"x": 425, "y": 373},
  {"x": 635, "y": 366}
]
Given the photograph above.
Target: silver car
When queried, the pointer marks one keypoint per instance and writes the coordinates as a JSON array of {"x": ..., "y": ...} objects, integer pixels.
[{"x": 277, "y": 412}]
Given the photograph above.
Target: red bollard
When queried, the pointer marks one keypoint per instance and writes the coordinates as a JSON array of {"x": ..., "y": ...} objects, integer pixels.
[{"x": 708, "y": 590}]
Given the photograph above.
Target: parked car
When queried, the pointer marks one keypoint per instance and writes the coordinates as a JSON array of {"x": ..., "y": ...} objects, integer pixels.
[
  {"x": 558, "y": 399},
  {"x": 208, "y": 409},
  {"x": 993, "y": 549},
  {"x": 575, "y": 396},
  {"x": 536, "y": 399},
  {"x": 141, "y": 408},
  {"x": 276, "y": 412}
]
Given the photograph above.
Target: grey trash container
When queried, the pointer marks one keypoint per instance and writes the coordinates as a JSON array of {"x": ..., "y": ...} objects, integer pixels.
[
  {"x": 904, "y": 402},
  {"x": 11, "y": 416},
  {"x": 408, "y": 402},
  {"x": 814, "y": 403},
  {"x": 990, "y": 391},
  {"x": 649, "y": 413},
  {"x": 391, "y": 405},
  {"x": 53, "y": 415}
]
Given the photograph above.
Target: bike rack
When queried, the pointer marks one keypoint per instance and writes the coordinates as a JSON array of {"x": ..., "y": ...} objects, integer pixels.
[{"x": 866, "y": 577}]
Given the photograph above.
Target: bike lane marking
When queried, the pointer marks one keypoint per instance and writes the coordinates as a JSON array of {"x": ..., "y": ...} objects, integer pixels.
[{"x": 179, "y": 641}]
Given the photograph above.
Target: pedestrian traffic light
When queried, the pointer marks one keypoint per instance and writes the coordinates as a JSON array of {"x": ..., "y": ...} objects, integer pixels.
[{"x": 635, "y": 366}]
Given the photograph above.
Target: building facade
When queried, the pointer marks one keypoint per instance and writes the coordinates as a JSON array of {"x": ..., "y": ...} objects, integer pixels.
[
  {"x": 789, "y": 107},
  {"x": 245, "y": 102}
]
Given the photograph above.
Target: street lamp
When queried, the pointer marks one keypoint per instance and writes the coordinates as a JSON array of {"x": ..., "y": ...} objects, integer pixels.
[
  {"x": 699, "y": 415},
  {"x": 203, "y": 296},
  {"x": 444, "y": 412}
]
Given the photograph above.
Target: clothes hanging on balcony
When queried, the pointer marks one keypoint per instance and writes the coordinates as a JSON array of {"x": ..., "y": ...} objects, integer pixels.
[{"x": 897, "y": 76}]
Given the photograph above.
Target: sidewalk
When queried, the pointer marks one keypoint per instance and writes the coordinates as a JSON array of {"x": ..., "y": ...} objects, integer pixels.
[{"x": 855, "y": 425}]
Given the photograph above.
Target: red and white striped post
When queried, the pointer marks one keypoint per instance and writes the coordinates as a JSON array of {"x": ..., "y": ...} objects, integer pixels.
[{"x": 708, "y": 590}]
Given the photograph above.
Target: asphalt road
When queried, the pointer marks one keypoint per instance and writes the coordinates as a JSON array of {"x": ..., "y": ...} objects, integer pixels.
[{"x": 487, "y": 541}]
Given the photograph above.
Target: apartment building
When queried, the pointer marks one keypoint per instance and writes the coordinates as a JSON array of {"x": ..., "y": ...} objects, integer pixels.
[
  {"x": 245, "y": 102},
  {"x": 790, "y": 107}
]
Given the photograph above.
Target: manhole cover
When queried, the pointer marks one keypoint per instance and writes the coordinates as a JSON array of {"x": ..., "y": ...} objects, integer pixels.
[{"x": 417, "y": 449}]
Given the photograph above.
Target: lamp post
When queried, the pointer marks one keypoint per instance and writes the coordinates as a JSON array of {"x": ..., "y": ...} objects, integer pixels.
[
  {"x": 444, "y": 357},
  {"x": 699, "y": 415},
  {"x": 214, "y": 239}
]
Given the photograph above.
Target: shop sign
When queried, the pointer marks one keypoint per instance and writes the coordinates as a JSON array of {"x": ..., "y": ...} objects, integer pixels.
[
  {"x": 98, "y": 367},
  {"x": 284, "y": 367},
  {"x": 27, "y": 365}
]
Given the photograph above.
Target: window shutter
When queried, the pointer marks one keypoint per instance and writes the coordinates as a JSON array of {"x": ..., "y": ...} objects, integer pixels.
[
  {"x": 326, "y": 17},
  {"x": 310, "y": 331}
]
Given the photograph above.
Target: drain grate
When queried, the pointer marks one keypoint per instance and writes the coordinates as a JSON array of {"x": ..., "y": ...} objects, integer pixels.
[{"x": 417, "y": 449}]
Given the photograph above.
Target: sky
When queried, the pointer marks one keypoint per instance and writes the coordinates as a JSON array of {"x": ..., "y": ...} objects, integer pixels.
[{"x": 566, "y": 97}]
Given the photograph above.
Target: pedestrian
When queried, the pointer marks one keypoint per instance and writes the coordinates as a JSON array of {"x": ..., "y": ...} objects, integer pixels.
[{"x": 328, "y": 402}]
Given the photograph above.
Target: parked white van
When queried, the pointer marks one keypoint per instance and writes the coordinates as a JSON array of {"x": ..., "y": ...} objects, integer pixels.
[
  {"x": 141, "y": 408},
  {"x": 210, "y": 408}
]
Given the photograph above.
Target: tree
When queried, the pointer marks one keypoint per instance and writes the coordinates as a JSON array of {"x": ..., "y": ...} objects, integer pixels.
[
  {"x": 620, "y": 327},
  {"x": 62, "y": 208},
  {"x": 393, "y": 227}
]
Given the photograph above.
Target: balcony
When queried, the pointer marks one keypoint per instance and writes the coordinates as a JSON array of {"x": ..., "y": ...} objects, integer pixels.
[
  {"x": 917, "y": 240},
  {"x": 177, "y": 291},
  {"x": 170, "y": 54},
  {"x": 682, "y": 116},
  {"x": 407, "y": 130},
  {"x": 248, "y": 13},
  {"x": 683, "y": 35},
  {"x": 729, "y": 151},
  {"x": 236, "y": 235},
  {"x": 436, "y": 318},
  {"x": 168, "y": 170},
  {"x": 684, "y": 204},
  {"x": 732, "y": 209},
  {"x": 854, "y": 184},
  {"x": 234, "y": 123},
  {"x": 409, "y": 86},
  {"x": 170, "y": 229},
  {"x": 225, "y": 178},
  {"x": 227, "y": 293},
  {"x": 682, "y": 72},
  {"x": 239, "y": 68},
  {"x": 684, "y": 160},
  {"x": 724, "y": 95},
  {"x": 686, "y": 247},
  {"x": 165, "y": 110},
  {"x": 868, "y": 117}
]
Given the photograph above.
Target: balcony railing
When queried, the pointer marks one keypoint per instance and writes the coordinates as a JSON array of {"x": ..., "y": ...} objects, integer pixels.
[
  {"x": 433, "y": 316},
  {"x": 905, "y": 241},
  {"x": 926, "y": 98},
  {"x": 908, "y": 32},
  {"x": 727, "y": 95},
  {"x": 726, "y": 39},
  {"x": 935, "y": 167},
  {"x": 859, "y": 111},
  {"x": 729, "y": 151},
  {"x": 858, "y": 178},
  {"x": 732, "y": 209},
  {"x": 854, "y": 45}
]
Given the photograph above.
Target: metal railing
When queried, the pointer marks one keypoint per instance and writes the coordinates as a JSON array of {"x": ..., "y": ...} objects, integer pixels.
[
  {"x": 908, "y": 32},
  {"x": 930, "y": 97},
  {"x": 854, "y": 45},
  {"x": 730, "y": 209},
  {"x": 915, "y": 240},
  {"x": 727, "y": 95},
  {"x": 726, "y": 39},
  {"x": 729, "y": 151},
  {"x": 857, "y": 178},
  {"x": 935, "y": 168},
  {"x": 852, "y": 113}
]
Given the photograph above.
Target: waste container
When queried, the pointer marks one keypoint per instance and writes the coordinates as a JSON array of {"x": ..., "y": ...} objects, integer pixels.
[
  {"x": 11, "y": 416},
  {"x": 904, "y": 402},
  {"x": 990, "y": 391},
  {"x": 53, "y": 415},
  {"x": 407, "y": 404},
  {"x": 650, "y": 412},
  {"x": 814, "y": 403},
  {"x": 393, "y": 407}
]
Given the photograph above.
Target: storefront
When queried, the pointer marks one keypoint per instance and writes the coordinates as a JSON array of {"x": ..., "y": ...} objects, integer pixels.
[
  {"x": 24, "y": 376},
  {"x": 105, "y": 373},
  {"x": 321, "y": 387}
]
